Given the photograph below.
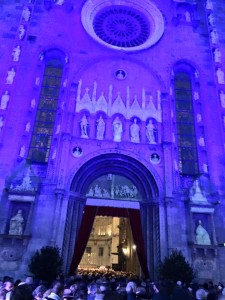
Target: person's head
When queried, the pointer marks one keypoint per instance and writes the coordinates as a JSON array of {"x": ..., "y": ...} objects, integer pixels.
[
  {"x": 21, "y": 292},
  {"x": 92, "y": 288},
  {"x": 38, "y": 293},
  {"x": 104, "y": 286},
  {"x": 201, "y": 294},
  {"x": 8, "y": 286},
  {"x": 58, "y": 289},
  {"x": 131, "y": 287}
]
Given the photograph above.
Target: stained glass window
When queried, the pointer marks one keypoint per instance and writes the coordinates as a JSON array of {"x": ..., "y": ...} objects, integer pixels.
[
  {"x": 187, "y": 150},
  {"x": 46, "y": 112}
]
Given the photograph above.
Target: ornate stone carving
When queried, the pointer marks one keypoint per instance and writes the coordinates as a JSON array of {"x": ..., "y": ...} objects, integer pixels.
[{"x": 141, "y": 107}]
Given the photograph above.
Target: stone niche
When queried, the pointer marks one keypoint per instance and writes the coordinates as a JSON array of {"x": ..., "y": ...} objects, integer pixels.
[{"x": 22, "y": 188}]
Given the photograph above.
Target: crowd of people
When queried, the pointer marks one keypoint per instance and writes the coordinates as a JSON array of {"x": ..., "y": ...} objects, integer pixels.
[{"x": 107, "y": 285}]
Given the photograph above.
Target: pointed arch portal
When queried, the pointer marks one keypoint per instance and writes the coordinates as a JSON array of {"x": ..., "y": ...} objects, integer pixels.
[{"x": 143, "y": 214}]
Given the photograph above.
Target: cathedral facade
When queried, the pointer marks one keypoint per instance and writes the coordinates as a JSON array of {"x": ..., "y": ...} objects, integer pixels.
[{"x": 113, "y": 108}]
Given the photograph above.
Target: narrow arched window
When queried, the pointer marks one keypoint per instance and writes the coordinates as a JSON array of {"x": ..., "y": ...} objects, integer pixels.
[
  {"x": 185, "y": 121},
  {"x": 46, "y": 111}
]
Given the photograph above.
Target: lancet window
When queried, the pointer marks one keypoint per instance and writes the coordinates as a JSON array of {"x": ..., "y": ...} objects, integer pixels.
[
  {"x": 185, "y": 124},
  {"x": 46, "y": 111}
]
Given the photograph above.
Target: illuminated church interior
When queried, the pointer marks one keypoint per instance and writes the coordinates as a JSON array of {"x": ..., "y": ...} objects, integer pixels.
[{"x": 112, "y": 134}]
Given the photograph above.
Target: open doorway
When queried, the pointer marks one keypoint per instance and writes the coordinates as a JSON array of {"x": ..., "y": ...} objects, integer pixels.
[{"x": 111, "y": 246}]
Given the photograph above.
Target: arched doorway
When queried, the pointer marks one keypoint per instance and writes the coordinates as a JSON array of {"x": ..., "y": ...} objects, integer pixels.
[{"x": 81, "y": 215}]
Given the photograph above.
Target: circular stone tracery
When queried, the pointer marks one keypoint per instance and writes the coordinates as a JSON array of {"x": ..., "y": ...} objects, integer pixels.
[{"x": 121, "y": 26}]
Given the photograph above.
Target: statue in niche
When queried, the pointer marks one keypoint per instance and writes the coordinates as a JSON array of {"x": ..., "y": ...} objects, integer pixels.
[
  {"x": 222, "y": 98},
  {"x": 150, "y": 132},
  {"x": 10, "y": 76},
  {"x": 33, "y": 103},
  {"x": 199, "y": 118},
  {"x": 100, "y": 128},
  {"x": 58, "y": 129},
  {"x": 59, "y": 2},
  {"x": 217, "y": 55},
  {"x": 211, "y": 19},
  {"x": 26, "y": 14},
  {"x": 117, "y": 129},
  {"x": 22, "y": 32},
  {"x": 196, "y": 74},
  {"x": 209, "y": 5},
  {"x": 196, "y": 194},
  {"x": 77, "y": 152},
  {"x": 37, "y": 81},
  {"x": 27, "y": 127},
  {"x": 1, "y": 123},
  {"x": 214, "y": 36},
  {"x": 205, "y": 168},
  {"x": 201, "y": 141},
  {"x": 220, "y": 76},
  {"x": 120, "y": 74},
  {"x": 22, "y": 151},
  {"x": 16, "y": 224},
  {"x": 54, "y": 154},
  {"x": 83, "y": 126},
  {"x": 202, "y": 236},
  {"x": 16, "y": 53},
  {"x": 196, "y": 96},
  {"x": 4, "y": 100},
  {"x": 135, "y": 132},
  {"x": 187, "y": 16}
]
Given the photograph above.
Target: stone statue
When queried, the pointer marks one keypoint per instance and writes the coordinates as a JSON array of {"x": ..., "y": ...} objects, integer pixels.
[
  {"x": 100, "y": 128},
  {"x": 196, "y": 194},
  {"x": 26, "y": 14},
  {"x": 209, "y": 5},
  {"x": 4, "y": 100},
  {"x": 33, "y": 103},
  {"x": 187, "y": 16},
  {"x": 196, "y": 96},
  {"x": 27, "y": 127},
  {"x": 201, "y": 141},
  {"x": 16, "y": 224},
  {"x": 117, "y": 129},
  {"x": 10, "y": 76},
  {"x": 202, "y": 236},
  {"x": 16, "y": 53},
  {"x": 135, "y": 132},
  {"x": 22, "y": 32},
  {"x": 58, "y": 129},
  {"x": 1, "y": 123},
  {"x": 59, "y": 2},
  {"x": 83, "y": 126},
  {"x": 211, "y": 19},
  {"x": 214, "y": 36},
  {"x": 150, "y": 134},
  {"x": 217, "y": 55},
  {"x": 22, "y": 151},
  {"x": 222, "y": 98},
  {"x": 199, "y": 118},
  {"x": 220, "y": 76}
]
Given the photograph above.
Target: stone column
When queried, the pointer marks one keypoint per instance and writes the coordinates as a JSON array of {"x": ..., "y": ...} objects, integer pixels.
[
  {"x": 64, "y": 156},
  {"x": 57, "y": 213},
  {"x": 74, "y": 216},
  {"x": 151, "y": 235}
]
